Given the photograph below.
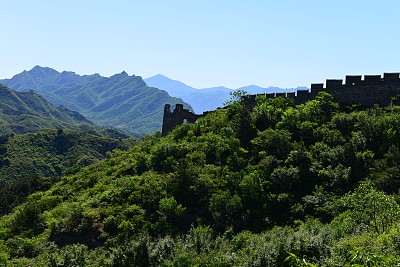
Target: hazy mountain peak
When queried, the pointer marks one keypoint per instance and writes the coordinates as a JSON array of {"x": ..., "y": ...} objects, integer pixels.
[
  {"x": 39, "y": 69},
  {"x": 68, "y": 72},
  {"x": 122, "y": 74},
  {"x": 161, "y": 77}
]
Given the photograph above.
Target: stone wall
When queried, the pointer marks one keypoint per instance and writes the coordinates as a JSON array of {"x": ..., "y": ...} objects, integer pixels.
[{"x": 373, "y": 89}]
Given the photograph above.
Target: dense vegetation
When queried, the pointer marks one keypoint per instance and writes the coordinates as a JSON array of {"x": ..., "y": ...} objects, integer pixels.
[
  {"x": 35, "y": 161},
  {"x": 282, "y": 185},
  {"x": 121, "y": 101},
  {"x": 28, "y": 112}
]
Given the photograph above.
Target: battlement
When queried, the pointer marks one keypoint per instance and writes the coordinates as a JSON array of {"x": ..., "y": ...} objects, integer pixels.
[{"x": 364, "y": 91}]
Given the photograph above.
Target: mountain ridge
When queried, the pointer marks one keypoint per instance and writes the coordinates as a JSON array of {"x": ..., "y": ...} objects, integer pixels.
[
  {"x": 121, "y": 101},
  {"x": 28, "y": 112}
]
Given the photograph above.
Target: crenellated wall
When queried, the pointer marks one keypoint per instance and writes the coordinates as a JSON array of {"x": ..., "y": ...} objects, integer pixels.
[{"x": 373, "y": 89}]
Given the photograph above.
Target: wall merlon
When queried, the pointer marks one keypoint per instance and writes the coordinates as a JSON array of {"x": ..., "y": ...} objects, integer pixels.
[
  {"x": 280, "y": 94},
  {"x": 353, "y": 79},
  {"x": 390, "y": 78},
  {"x": 167, "y": 108},
  {"x": 302, "y": 93},
  {"x": 291, "y": 95},
  {"x": 317, "y": 87},
  {"x": 270, "y": 95},
  {"x": 390, "y": 75},
  {"x": 333, "y": 83},
  {"x": 372, "y": 78},
  {"x": 178, "y": 107}
]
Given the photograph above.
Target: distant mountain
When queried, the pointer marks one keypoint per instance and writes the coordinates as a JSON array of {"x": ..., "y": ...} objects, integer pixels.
[
  {"x": 121, "y": 101},
  {"x": 26, "y": 112},
  {"x": 207, "y": 98}
]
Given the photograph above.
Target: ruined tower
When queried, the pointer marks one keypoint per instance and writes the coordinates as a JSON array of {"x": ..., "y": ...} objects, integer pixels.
[{"x": 177, "y": 117}]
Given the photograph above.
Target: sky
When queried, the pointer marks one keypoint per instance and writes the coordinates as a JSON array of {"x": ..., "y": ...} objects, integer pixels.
[{"x": 203, "y": 43}]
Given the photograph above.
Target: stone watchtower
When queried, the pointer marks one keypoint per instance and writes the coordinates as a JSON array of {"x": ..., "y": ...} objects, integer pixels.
[{"x": 177, "y": 117}]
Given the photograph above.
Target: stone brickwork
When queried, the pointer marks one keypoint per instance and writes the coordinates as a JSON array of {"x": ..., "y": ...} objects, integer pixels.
[{"x": 373, "y": 89}]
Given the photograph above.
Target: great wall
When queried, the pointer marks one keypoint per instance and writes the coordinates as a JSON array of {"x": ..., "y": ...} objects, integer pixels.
[{"x": 373, "y": 89}]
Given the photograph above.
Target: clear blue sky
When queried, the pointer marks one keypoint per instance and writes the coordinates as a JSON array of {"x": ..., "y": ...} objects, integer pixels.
[{"x": 203, "y": 43}]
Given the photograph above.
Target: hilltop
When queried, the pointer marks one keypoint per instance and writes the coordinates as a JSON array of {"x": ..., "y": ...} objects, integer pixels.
[{"x": 122, "y": 101}]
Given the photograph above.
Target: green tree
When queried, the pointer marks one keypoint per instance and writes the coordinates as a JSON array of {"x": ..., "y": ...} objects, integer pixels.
[
  {"x": 170, "y": 212},
  {"x": 371, "y": 209},
  {"x": 236, "y": 96},
  {"x": 225, "y": 208}
]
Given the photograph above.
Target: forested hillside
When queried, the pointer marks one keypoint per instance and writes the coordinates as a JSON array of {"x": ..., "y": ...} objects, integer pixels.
[
  {"x": 34, "y": 161},
  {"x": 121, "y": 101},
  {"x": 28, "y": 112},
  {"x": 282, "y": 185}
]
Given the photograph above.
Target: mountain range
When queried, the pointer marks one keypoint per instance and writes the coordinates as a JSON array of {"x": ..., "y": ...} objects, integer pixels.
[
  {"x": 25, "y": 112},
  {"x": 122, "y": 101},
  {"x": 125, "y": 102},
  {"x": 206, "y": 99}
]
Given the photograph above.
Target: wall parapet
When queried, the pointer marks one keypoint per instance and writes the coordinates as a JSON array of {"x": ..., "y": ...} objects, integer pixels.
[{"x": 364, "y": 90}]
